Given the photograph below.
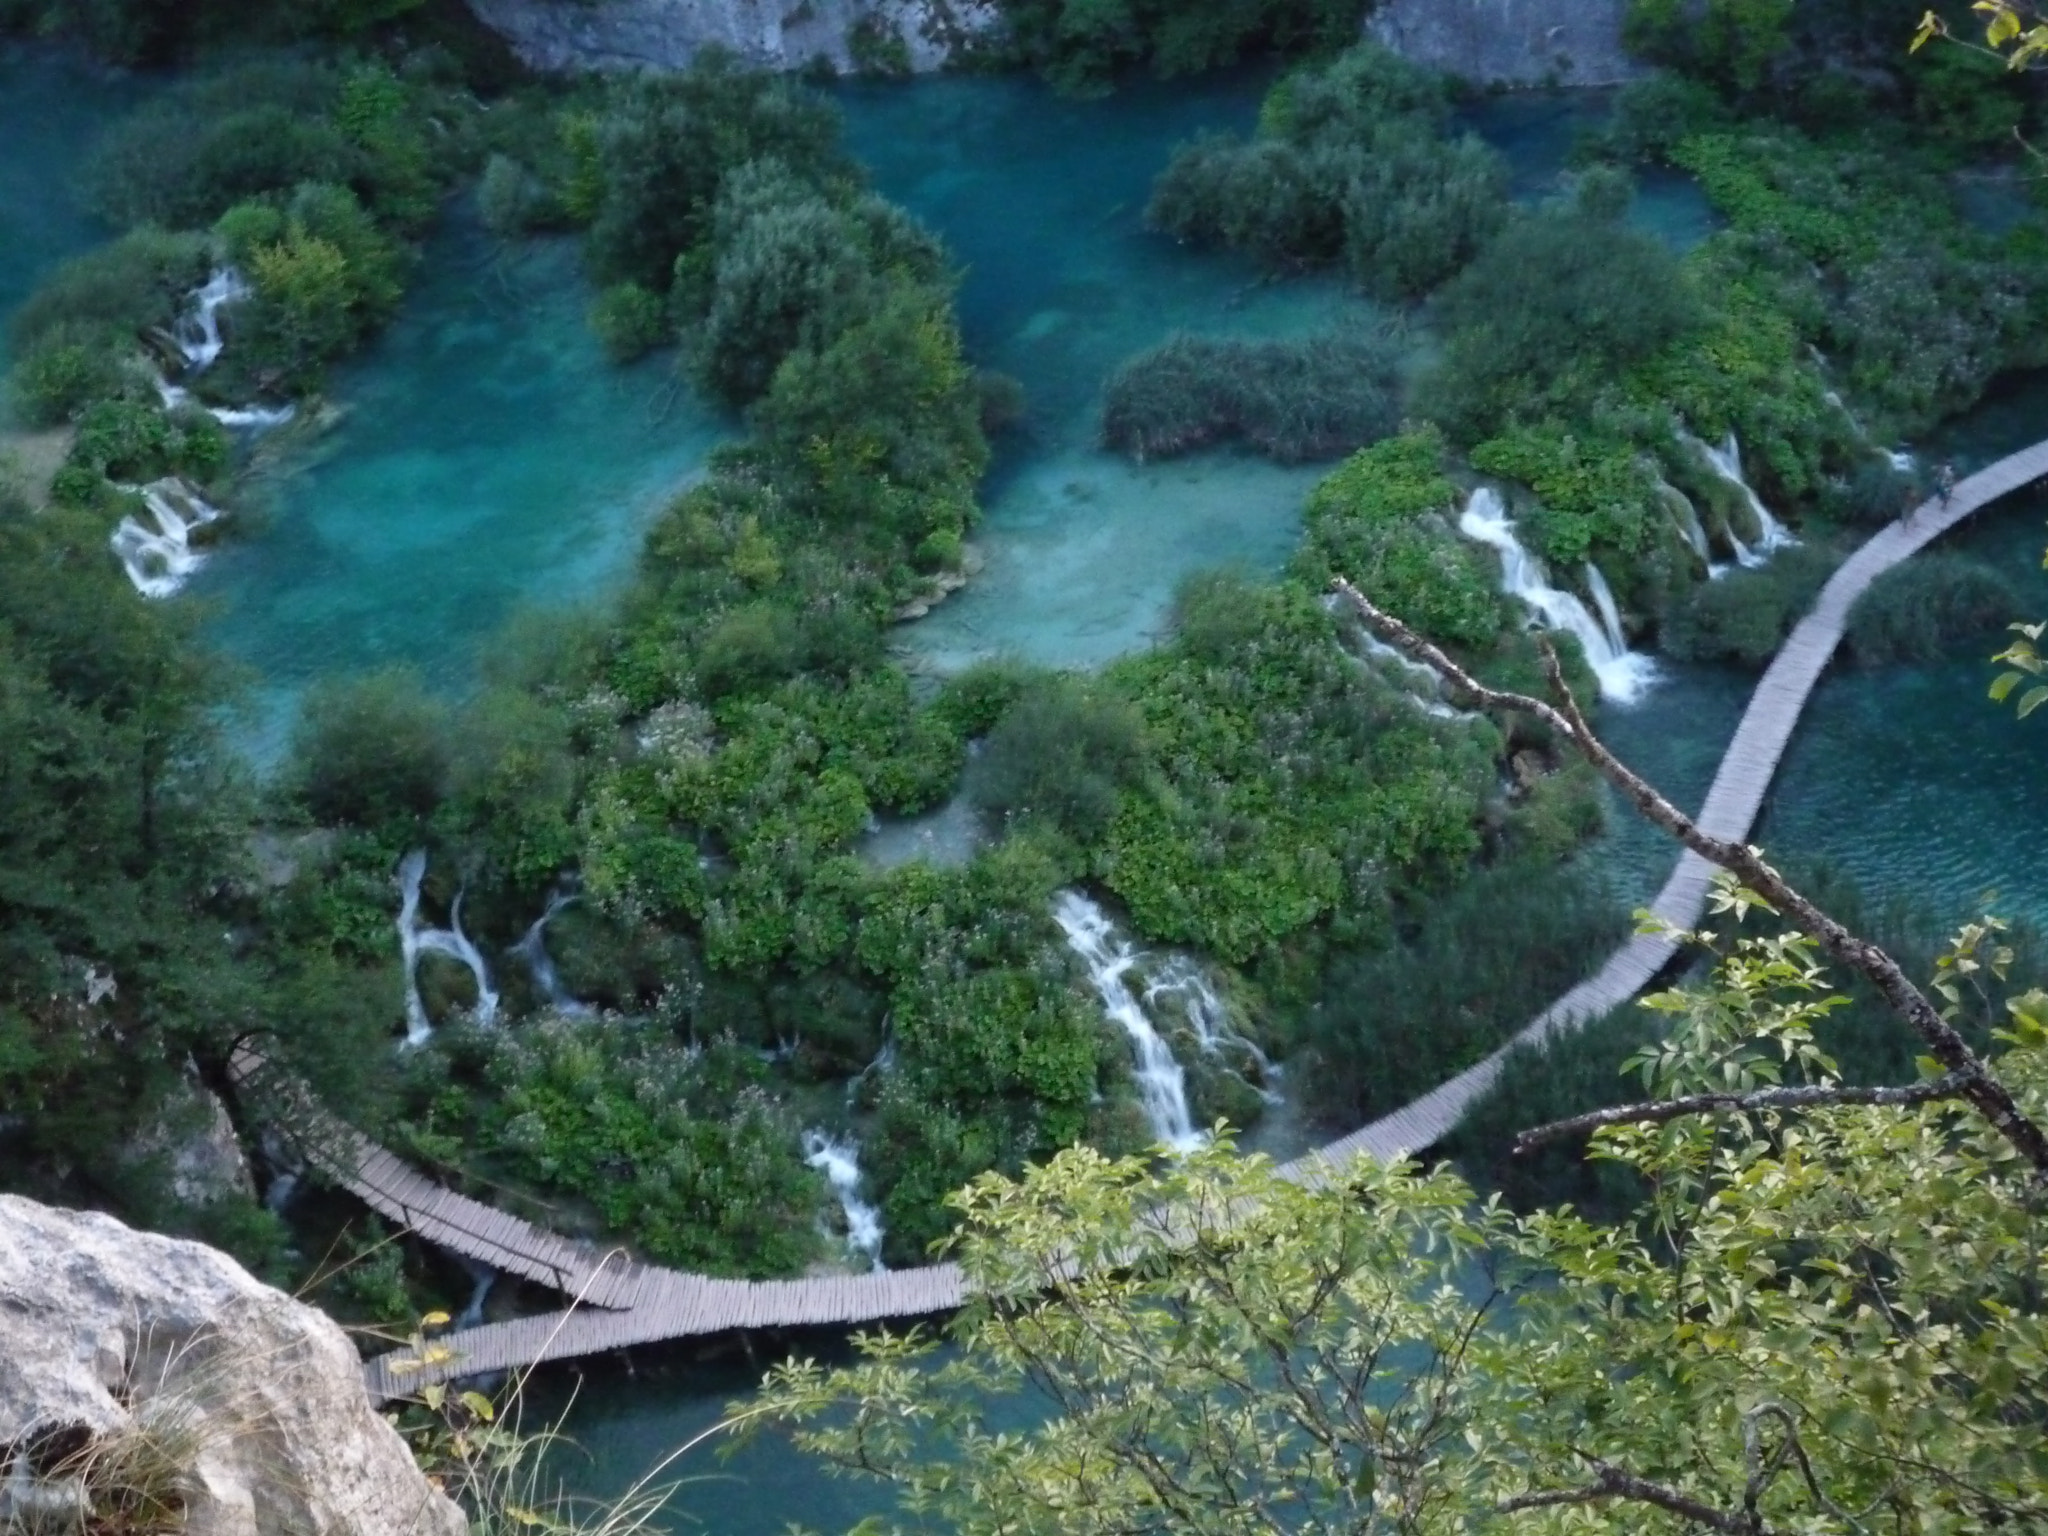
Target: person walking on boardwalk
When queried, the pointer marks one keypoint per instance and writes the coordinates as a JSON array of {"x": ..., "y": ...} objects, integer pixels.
[{"x": 1945, "y": 483}]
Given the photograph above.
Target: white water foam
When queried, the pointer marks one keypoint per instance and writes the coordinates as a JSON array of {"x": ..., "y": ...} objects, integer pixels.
[
  {"x": 158, "y": 560},
  {"x": 197, "y": 330},
  {"x": 533, "y": 949},
  {"x": 1623, "y": 674},
  {"x": 1726, "y": 461},
  {"x": 1162, "y": 1086},
  {"x": 416, "y": 939},
  {"x": 839, "y": 1161}
]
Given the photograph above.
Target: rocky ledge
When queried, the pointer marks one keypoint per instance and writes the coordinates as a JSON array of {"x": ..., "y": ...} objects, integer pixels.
[
  {"x": 843, "y": 35},
  {"x": 139, "y": 1367},
  {"x": 1510, "y": 42}
]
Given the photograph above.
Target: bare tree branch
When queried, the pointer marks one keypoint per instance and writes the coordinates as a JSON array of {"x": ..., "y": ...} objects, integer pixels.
[
  {"x": 1656, "y": 1112},
  {"x": 1977, "y": 1083},
  {"x": 1613, "y": 1483}
]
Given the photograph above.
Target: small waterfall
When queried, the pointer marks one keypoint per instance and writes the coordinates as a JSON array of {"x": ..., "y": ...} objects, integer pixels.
[
  {"x": 1687, "y": 517},
  {"x": 1900, "y": 460},
  {"x": 197, "y": 331},
  {"x": 533, "y": 949},
  {"x": 1622, "y": 673},
  {"x": 839, "y": 1161},
  {"x": 1181, "y": 980},
  {"x": 1774, "y": 535},
  {"x": 1161, "y": 1084},
  {"x": 482, "y": 1278},
  {"x": 159, "y": 560},
  {"x": 416, "y": 939}
]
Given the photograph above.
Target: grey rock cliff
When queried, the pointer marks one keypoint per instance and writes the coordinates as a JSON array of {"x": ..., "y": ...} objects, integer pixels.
[
  {"x": 1510, "y": 42},
  {"x": 563, "y": 35},
  {"x": 112, "y": 1338}
]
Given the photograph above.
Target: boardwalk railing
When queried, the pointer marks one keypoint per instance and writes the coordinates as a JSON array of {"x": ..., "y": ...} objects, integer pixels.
[{"x": 617, "y": 1302}]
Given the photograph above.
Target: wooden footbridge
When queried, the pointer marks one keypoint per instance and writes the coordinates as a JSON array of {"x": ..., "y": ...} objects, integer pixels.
[{"x": 616, "y": 1302}]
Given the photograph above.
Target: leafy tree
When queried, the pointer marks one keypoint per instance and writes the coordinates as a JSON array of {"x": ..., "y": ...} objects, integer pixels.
[
  {"x": 1552, "y": 309},
  {"x": 371, "y": 752},
  {"x": 1059, "y": 755}
]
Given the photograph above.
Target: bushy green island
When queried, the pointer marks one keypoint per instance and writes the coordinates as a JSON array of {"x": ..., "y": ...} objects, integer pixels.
[{"x": 1380, "y": 888}]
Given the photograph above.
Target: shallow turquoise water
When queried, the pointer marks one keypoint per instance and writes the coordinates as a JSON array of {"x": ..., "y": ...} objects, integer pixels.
[
  {"x": 52, "y": 108},
  {"x": 490, "y": 458},
  {"x": 1041, "y": 199}
]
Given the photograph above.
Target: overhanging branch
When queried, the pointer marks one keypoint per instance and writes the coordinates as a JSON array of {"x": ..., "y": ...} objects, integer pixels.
[
  {"x": 1976, "y": 1081},
  {"x": 1613, "y": 1483},
  {"x": 1813, "y": 1096}
]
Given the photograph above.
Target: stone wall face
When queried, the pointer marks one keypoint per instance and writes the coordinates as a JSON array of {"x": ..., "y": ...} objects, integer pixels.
[
  {"x": 1510, "y": 42},
  {"x": 565, "y": 35},
  {"x": 106, "y": 1333}
]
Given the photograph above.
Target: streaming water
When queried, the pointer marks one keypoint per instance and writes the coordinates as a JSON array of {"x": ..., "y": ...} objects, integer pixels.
[
  {"x": 1624, "y": 675},
  {"x": 1162, "y": 1086},
  {"x": 533, "y": 949},
  {"x": 159, "y": 560},
  {"x": 1772, "y": 535},
  {"x": 415, "y": 938},
  {"x": 839, "y": 1161}
]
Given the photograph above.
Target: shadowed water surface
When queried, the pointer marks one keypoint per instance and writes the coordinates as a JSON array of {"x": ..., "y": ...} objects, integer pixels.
[{"x": 53, "y": 108}]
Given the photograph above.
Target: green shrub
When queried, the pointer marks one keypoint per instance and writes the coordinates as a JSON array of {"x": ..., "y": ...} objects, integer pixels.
[
  {"x": 1060, "y": 755},
  {"x": 1283, "y": 795},
  {"x": 682, "y": 1152},
  {"x": 1551, "y": 311},
  {"x": 1350, "y": 163},
  {"x": 66, "y": 368},
  {"x": 130, "y": 285},
  {"x": 1475, "y": 965},
  {"x": 1390, "y": 482},
  {"x": 1593, "y": 492},
  {"x": 370, "y": 752},
  {"x": 1081, "y": 47},
  {"x": 511, "y": 199},
  {"x": 1916, "y": 612},
  {"x": 1292, "y": 400},
  {"x": 664, "y": 144},
  {"x": 1747, "y": 614},
  {"x": 630, "y": 321}
]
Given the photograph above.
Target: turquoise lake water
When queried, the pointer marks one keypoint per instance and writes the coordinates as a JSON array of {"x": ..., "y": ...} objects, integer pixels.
[
  {"x": 489, "y": 458},
  {"x": 52, "y": 108}
]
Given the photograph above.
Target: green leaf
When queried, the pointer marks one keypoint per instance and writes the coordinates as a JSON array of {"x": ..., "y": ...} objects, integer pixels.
[{"x": 2033, "y": 699}]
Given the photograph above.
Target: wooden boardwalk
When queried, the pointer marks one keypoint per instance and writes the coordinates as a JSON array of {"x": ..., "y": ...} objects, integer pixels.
[{"x": 617, "y": 1303}]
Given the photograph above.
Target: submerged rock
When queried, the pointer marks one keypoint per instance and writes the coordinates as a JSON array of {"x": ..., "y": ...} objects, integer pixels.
[
  {"x": 846, "y": 35},
  {"x": 240, "y": 1403},
  {"x": 1510, "y": 42}
]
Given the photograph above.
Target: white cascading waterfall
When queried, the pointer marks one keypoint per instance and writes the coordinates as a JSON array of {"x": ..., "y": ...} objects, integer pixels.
[
  {"x": 1726, "y": 462},
  {"x": 1622, "y": 673},
  {"x": 839, "y": 1161},
  {"x": 415, "y": 938},
  {"x": 533, "y": 949},
  {"x": 1187, "y": 984},
  {"x": 1687, "y": 517},
  {"x": 159, "y": 559},
  {"x": 482, "y": 1277},
  {"x": 197, "y": 336},
  {"x": 197, "y": 331},
  {"x": 1162, "y": 1086}
]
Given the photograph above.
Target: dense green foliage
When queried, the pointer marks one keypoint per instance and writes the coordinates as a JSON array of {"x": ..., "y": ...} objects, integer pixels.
[
  {"x": 1806, "y": 1315},
  {"x": 1918, "y": 611},
  {"x": 1475, "y": 965},
  {"x": 1550, "y": 313},
  {"x": 1350, "y": 165},
  {"x": 1291, "y": 400},
  {"x": 1746, "y": 615}
]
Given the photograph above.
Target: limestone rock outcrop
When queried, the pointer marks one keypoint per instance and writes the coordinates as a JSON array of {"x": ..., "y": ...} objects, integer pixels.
[
  {"x": 1510, "y": 42},
  {"x": 565, "y": 35},
  {"x": 250, "y": 1405}
]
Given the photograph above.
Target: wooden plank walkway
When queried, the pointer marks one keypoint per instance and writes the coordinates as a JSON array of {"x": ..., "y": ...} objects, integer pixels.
[{"x": 619, "y": 1303}]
